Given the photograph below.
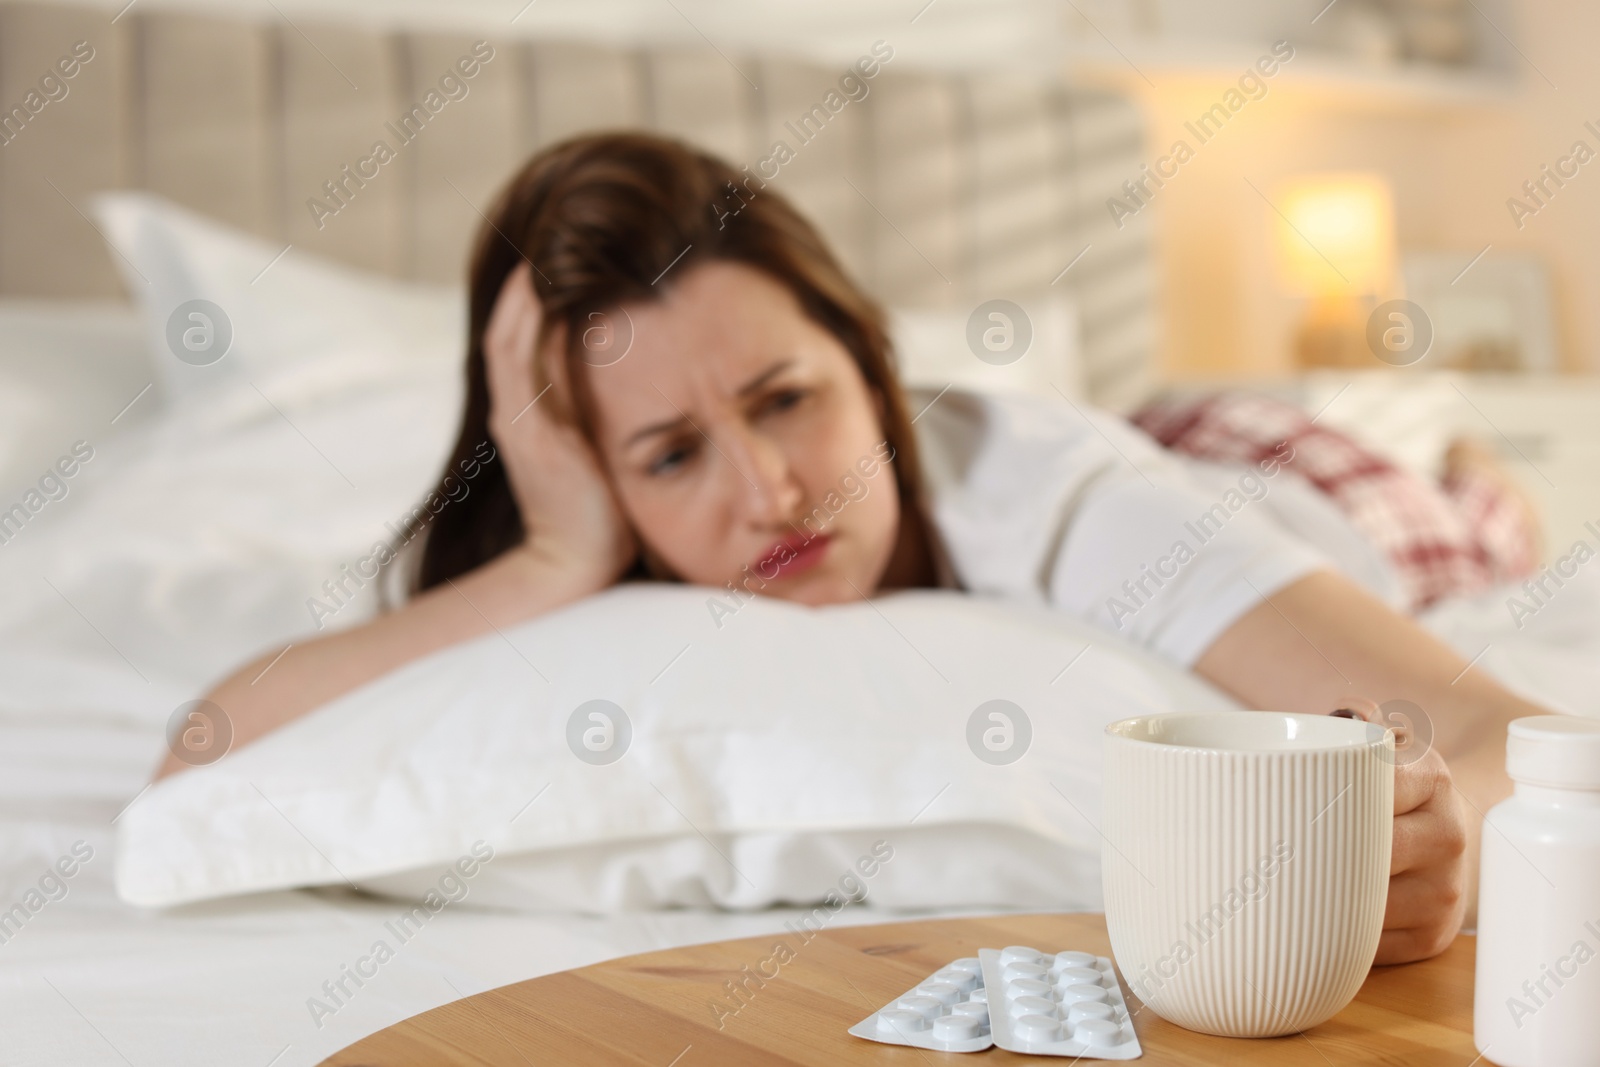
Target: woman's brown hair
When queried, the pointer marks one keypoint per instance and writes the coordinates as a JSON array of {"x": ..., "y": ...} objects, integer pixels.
[{"x": 601, "y": 218}]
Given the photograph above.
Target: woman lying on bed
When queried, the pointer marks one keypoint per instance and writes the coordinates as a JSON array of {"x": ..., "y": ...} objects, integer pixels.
[{"x": 682, "y": 388}]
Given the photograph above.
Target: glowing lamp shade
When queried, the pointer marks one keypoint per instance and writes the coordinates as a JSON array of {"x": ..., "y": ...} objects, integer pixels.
[{"x": 1335, "y": 235}]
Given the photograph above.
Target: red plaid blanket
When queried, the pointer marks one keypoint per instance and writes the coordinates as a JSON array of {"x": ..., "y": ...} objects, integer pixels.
[{"x": 1456, "y": 537}]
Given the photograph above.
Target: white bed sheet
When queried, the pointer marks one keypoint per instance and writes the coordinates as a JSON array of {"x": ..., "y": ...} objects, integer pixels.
[{"x": 90, "y": 980}]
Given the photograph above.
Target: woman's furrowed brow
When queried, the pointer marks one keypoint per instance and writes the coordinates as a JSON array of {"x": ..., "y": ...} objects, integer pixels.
[
  {"x": 765, "y": 376},
  {"x": 667, "y": 425}
]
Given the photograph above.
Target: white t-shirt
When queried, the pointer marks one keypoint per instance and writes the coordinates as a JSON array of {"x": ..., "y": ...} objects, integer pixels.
[{"x": 1063, "y": 504}]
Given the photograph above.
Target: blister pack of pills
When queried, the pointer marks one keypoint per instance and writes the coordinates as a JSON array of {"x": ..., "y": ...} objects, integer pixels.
[
  {"x": 1024, "y": 1000},
  {"x": 949, "y": 1012},
  {"x": 1061, "y": 1004}
]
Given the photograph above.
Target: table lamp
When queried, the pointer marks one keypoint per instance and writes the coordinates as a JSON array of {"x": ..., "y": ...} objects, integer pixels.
[{"x": 1336, "y": 248}]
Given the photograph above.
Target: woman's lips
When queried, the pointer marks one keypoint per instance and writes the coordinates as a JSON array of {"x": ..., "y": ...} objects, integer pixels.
[{"x": 791, "y": 556}]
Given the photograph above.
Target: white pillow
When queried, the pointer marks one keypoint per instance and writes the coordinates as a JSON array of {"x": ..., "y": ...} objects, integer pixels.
[
  {"x": 295, "y": 318},
  {"x": 768, "y": 754},
  {"x": 935, "y": 349},
  {"x": 195, "y": 540}
]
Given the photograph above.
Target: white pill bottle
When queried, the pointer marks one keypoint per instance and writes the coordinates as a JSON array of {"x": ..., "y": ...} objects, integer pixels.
[{"x": 1537, "y": 996}]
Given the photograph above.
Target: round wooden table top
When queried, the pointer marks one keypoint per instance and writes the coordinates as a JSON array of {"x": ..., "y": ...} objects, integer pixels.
[{"x": 672, "y": 1008}]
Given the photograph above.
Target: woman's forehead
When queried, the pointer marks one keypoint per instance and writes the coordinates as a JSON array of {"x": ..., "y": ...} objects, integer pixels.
[
  {"x": 718, "y": 306},
  {"x": 723, "y": 330}
]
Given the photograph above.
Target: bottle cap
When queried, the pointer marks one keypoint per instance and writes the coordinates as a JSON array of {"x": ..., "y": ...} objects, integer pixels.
[{"x": 1561, "y": 751}]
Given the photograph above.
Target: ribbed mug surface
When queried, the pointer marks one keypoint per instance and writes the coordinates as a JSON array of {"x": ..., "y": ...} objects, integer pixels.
[{"x": 1246, "y": 864}]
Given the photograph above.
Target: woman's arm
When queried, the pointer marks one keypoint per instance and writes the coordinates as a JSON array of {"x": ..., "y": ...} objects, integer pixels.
[
  {"x": 1323, "y": 643},
  {"x": 576, "y": 543},
  {"x": 511, "y": 588}
]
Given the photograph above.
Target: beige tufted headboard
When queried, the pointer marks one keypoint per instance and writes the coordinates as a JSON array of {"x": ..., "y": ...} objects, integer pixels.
[{"x": 938, "y": 189}]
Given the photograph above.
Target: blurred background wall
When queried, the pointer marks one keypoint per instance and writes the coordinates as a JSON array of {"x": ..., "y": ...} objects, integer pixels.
[
  {"x": 1451, "y": 105},
  {"x": 1455, "y": 145}
]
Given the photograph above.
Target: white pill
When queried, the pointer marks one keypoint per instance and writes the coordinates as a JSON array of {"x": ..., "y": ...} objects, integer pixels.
[
  {"x": 1087, "y": 1009},
  {"x": 973, "y": 1009},
  {"x": 1075, "y": 959},
  {"x": 1024, "y": 970},
  {"x": 960, "y": 979},
  {"x": 970, "y": 964},
  {"x": 899, "y": 1021},
  {"x": 1038, "y": 1028},
  {"x": 1019, "y": 954},
  {"x": 1077, "y": 976},
  {"x": 927, "y": 1007},
  {"x": 955, "y": 1027},
  {"x": 1028, "y": 987},
  {"x": 1097, "y": 1033},
  {"x": 1074, "y": 994},
  {"x": 943, "y": 992},
  {"x": 1032, "y": 1006}
]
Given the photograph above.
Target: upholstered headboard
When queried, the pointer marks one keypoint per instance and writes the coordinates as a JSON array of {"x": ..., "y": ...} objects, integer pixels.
[{"x": 939, "y": 189}]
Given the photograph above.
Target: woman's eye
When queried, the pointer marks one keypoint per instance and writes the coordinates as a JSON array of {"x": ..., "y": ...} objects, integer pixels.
[
  {"x": 783, "y": 400},
  {"x": 671, "y": 459}
]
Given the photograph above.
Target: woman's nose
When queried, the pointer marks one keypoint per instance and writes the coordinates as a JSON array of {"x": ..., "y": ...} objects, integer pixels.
[{"x": 767, "y": 486}]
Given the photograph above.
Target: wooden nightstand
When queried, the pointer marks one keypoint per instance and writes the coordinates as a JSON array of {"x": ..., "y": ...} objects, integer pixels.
[{"x": 656, "y": 1009}]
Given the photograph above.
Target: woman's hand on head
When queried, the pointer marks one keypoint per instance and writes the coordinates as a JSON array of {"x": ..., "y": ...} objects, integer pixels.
[{"x": 569, "y": 513}]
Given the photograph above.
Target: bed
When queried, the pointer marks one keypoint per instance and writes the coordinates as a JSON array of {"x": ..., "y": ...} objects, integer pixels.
[
  {"x": 237, "y": 119},
  {"x": 190, "y": 538}
]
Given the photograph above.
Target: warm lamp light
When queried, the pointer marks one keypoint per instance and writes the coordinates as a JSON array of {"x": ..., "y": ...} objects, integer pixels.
[
  {"x": 1336, "y": 246},
  {"x": 1337, "y": 234}
]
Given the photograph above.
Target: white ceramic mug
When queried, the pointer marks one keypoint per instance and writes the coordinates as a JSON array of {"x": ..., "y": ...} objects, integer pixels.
[{"x": 1245, "y": 858}]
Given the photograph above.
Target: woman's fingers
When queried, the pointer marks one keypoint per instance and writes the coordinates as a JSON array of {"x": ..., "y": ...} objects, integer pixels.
[
  {"x": 1419, "y": 782},
  {"x": 1422, "y": 915},
  {"x": 1429, "y": 825},
  {"x": 1360, "y": 708},
  {"x": 1409, "y": 944},
  {"x": 1426, "y": 838},
  {"x": 1422, "y": 899},
  {"x": 508, "y": 342},
  {"x": 1427, "y": 870}
]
